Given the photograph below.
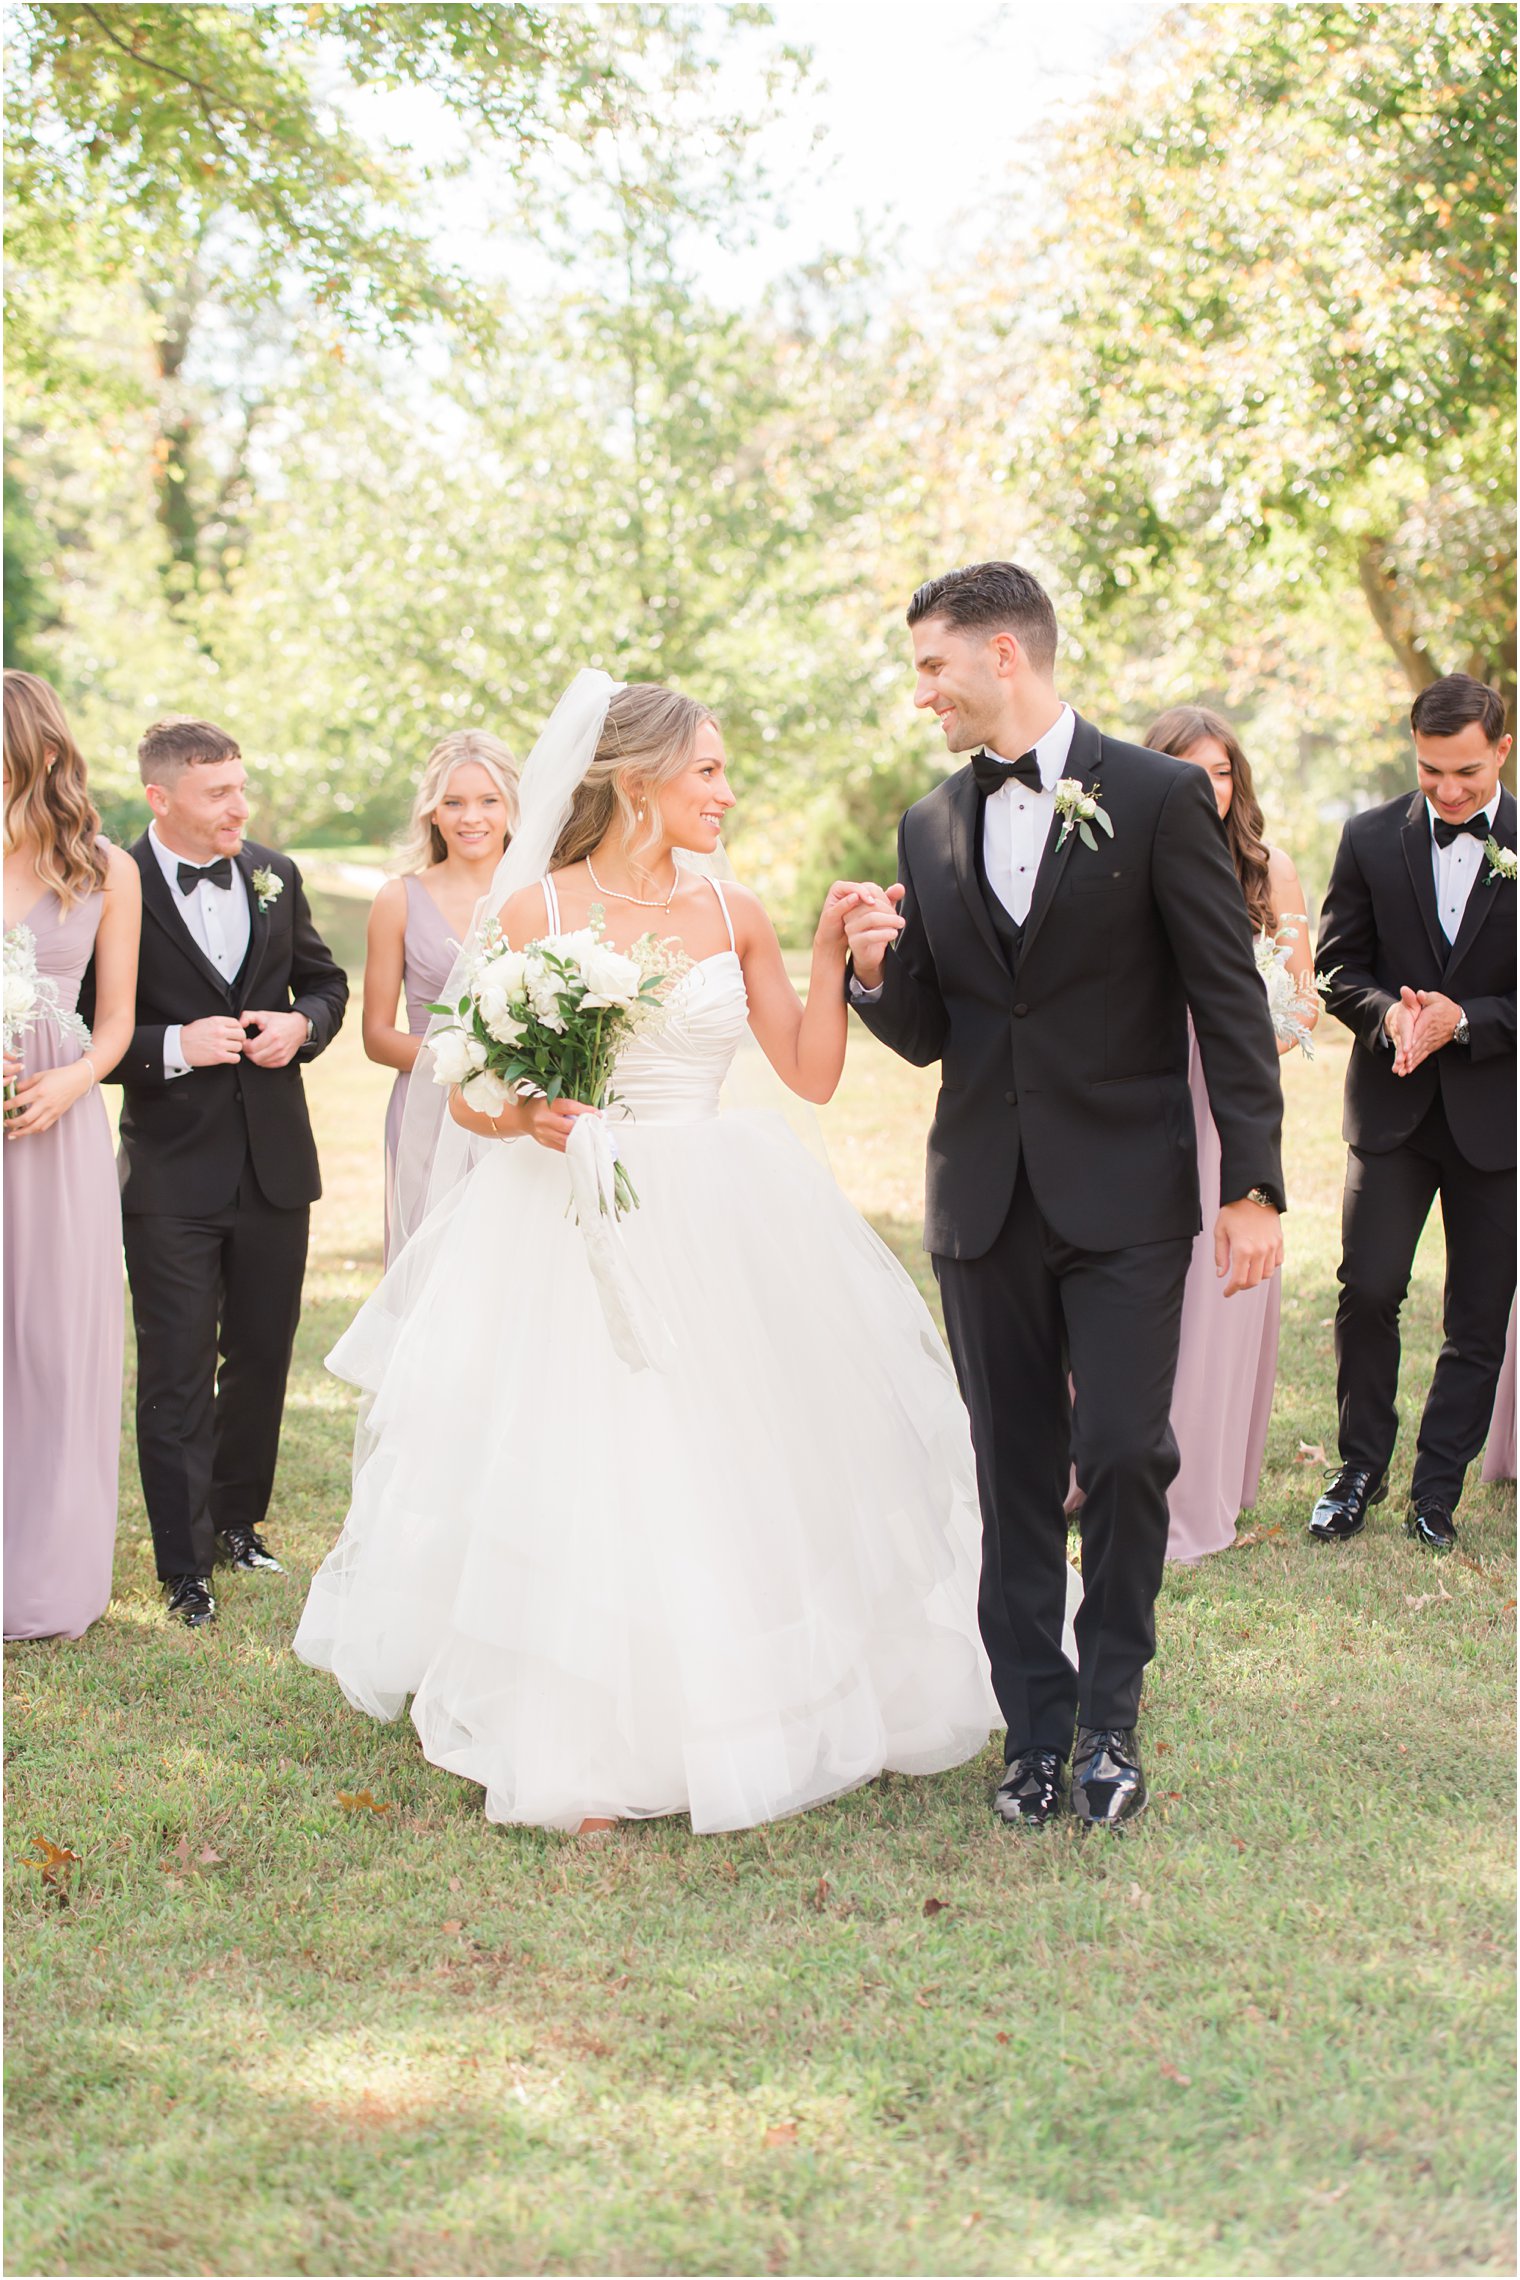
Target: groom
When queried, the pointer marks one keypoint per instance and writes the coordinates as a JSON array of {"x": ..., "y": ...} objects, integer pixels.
[
  {"x": 235, "y": 989},
  {"x": 1066, "y": 901}
]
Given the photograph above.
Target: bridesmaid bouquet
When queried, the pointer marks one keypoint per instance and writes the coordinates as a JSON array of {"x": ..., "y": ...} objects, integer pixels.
[
  {"x": 549, "y": 1021},
  {"x": 1288, "y": 997}
]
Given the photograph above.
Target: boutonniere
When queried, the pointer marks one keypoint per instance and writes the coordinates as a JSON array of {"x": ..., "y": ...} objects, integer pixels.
[
  {"x": 1079, "y": 810},
  {"x": 1501, "y": 862},
  {"x": 268, "y": 886}
]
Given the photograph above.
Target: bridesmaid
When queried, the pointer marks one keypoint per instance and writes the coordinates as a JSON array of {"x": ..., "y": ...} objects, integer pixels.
[
  {"x": 1227, "y": 1364},
  {"x": 462, "y": 818},
  {"x": 69, "y": 895},
  {"x": 1499, "y": 1454}
]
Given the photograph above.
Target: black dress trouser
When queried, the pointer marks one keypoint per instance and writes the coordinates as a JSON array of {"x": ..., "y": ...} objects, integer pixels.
[
  {"x": 1018, "y": 1318},
  {"x": 224, "y": 1285},
  {"x": 1386, "y": 1203}
]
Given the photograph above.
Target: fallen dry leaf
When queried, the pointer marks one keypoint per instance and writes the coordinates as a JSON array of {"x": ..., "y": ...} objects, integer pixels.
[
  {"x": 782, "y": 2133},
  {"x": 361, "y": 1801},
  {"x": 452, "y": 1924},
  {"x": 54, "y": 1863},
  {"x": 1258, "y": 1536},
  {"x": 455, "y": 1885},
  {"x": 819, "y": 1899},
  {"x": 616, "y": 1986},
  {"x": 935, "y": 1907},
  {"x": 1173, "y": 2074},
  {"x": 1311, "y": 1453},
  {"x": 1238, "y": 1844},
  {"x": 1000, "y": 2036},
  {"x": 1414, "y": 1600}
]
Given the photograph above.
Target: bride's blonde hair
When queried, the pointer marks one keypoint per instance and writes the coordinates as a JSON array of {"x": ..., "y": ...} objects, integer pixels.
[
  {"x": 647, "y": 740},
  {"x": 424, "y": 843}
]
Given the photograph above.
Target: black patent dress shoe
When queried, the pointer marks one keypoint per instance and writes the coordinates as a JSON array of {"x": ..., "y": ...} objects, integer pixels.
[
  {"x": 1107, "y": 1785},
  {"x": 1342, "y": 1510},
  {"x": 190, "y": 1601},
  {"x": 1432, "y": 1525},
  {"x": 246, "y": 1550},
  {"x": 1029, "y": 1793}
]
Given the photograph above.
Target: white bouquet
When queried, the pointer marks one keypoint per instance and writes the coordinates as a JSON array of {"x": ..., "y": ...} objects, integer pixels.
[
  {"x": 1289, "y": 996},
  {"x": 30, "y": 996},
  {"x": 548, "y": 1021}
]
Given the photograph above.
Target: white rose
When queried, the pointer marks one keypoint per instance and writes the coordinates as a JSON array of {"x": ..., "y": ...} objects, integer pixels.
[
  {"x": 611, "y": 978},
  {"x": 496, "y": 1010},
  {"x": 20, "y": 998},
  {"x": 543, "y": 996},
  {"x": 509, "y": 971},
  {"x": 452, "y": 1060},
  {"x": 486, "y": 1094}
]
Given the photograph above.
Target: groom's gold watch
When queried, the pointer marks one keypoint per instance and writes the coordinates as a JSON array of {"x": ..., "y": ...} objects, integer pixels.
[{"x": 1259, "y": 1195}]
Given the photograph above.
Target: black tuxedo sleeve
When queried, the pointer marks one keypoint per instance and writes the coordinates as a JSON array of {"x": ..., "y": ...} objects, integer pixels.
[
  {"x": 143, "y": 1061},
  {"x": 1203, "y": 911},
  {"x": 1347, "y": 952},
  {"x": 909, "y": 1015},
  {"x": 1491, "y": 1026},
  {"x": 318, "y": 984}
]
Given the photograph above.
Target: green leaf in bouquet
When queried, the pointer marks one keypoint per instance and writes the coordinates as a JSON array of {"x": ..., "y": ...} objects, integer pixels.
[{"x": 555, "y": 1086}]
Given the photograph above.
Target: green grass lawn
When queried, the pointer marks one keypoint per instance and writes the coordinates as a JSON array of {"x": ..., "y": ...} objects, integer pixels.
[{"x": 1271, "y": 2030}]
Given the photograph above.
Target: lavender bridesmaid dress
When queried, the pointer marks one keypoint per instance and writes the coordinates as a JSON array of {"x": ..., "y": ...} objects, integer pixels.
[
  {"x": 64, "y": 1312},
  {"x": 1226, "y": 1372},
  {"x": 1499, "y": 1455},
  {"x": 428, "y": 952}
]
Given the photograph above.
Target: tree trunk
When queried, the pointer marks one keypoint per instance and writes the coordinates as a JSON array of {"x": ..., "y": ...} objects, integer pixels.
[{"x": 1392, "y": 614}]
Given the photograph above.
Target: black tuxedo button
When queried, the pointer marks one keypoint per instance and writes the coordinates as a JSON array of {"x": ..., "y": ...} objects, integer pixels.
[{"x": 1021, "y": 1010}]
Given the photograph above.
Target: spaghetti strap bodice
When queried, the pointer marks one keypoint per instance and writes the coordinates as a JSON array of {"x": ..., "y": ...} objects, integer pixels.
[{"x": 674, "y": 1073}]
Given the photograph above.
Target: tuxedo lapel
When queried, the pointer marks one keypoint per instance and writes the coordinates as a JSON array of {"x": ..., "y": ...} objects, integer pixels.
[
  {"x": 1415, "y": 833},
  {"x": 965, "y": 819},
  {"x": 158, "y": 901},
  {"x": 258, "y": 933},
  {"x": 1084, "y": 762},
  {"x": 1482, "y": 894}
]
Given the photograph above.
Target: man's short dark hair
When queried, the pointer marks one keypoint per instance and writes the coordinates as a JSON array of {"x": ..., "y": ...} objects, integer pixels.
[
  {"x": 1454, "y": 703},
  {"x": 169, "y": 747},
  {"x": 997, "y": 596}
]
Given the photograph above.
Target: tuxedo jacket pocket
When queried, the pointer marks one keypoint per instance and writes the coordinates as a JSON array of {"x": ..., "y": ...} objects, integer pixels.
[{"x": 1111, "y": 880}]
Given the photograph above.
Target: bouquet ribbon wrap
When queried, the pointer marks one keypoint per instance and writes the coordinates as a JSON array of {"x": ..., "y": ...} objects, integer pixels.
[{"x": 640, "y": 1335}]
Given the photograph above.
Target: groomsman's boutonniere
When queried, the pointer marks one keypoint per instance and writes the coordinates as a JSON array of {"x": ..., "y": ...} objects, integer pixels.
[
  {"x": 1501, "y": 862},
  {"x": 268, "y": 886},
  {"x": 1079, "y": 810}
]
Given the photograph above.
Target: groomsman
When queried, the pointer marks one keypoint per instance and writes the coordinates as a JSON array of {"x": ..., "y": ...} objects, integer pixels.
[
  {"x": 235, "y": 990},
  {"x": 1417, "y": 944}
]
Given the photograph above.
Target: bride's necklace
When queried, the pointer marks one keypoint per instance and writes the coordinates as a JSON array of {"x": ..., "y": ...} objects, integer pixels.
[{"x": 644, "y": 902}]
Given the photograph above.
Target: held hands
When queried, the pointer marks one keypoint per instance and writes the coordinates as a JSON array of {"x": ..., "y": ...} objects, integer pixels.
[
  {"x": 1419, "y": 1025},
  {"x": 871, "y": 926},
  {"x": 1248, "y": 1244}
]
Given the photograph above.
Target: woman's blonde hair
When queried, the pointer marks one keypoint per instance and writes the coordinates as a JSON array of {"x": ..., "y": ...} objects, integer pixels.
[
  {"x": 648, "y": 737},
  {"x": 424, "y": 843},
  {"x": 47, "y": 791}
]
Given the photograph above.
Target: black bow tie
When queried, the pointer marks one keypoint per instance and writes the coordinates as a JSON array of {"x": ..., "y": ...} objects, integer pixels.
[
  {"x": 219, "y": 873},
  {"x": 1478, "y": 826},
  {"x": 991, "y": 774}
]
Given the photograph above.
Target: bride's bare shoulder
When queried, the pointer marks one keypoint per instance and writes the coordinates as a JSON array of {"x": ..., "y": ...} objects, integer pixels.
[{"x": 524, "y": 916}]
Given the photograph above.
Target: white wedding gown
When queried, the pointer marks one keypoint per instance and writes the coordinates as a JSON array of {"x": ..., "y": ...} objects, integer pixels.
[{"x": 733, "y": 1587}]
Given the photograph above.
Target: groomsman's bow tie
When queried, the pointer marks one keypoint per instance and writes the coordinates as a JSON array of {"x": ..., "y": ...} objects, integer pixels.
[
  {"x": 991, "y": 774},
  {"x": 1478, "y": 825},
  {"x": 219, "y": 873}
]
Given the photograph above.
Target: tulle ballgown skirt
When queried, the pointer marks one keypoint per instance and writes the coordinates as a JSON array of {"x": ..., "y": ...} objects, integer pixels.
[{"x": 732, "y": 1587}]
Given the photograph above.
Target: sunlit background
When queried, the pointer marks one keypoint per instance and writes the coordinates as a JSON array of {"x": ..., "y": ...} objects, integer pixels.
[{"x": 370, "y": 368}]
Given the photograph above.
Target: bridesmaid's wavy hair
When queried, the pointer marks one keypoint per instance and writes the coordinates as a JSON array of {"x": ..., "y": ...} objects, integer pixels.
[
  {"x": 1177, "y": 731},
  {"x": 424, "y": 843},
  {"x": 47, "y": 791},
  {"x": 647, "y": 740}
]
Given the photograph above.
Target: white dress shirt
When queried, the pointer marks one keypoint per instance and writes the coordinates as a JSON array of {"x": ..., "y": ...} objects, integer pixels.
[
  {"x": 1015, "y": 826},
  {"x": 217, "y": 920},
  {"x": 1457, "y": 868},
  {"x": 1016, "y": 821}
]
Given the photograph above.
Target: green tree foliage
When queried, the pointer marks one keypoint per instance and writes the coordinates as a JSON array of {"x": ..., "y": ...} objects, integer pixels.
[{"x": 1276, "y": 325}]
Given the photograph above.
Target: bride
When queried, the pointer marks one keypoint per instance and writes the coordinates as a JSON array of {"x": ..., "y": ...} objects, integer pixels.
[{"x": 737, "y": 1583}]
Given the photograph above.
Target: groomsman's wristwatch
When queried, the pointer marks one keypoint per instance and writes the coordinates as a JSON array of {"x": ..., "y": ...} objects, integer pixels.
[
  {"x": 311, "y": 1030},
  {"x": 1461, "y": 1033},
  {"x": 1259, "y": 1195}
]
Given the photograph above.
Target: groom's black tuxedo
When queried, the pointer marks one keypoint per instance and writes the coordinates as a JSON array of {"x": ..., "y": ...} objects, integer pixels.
[
  {"x": 1062, "y": 1194},
  {"x": 1447, "y": 1129},
  {"x": 218, "y": 1169}
]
